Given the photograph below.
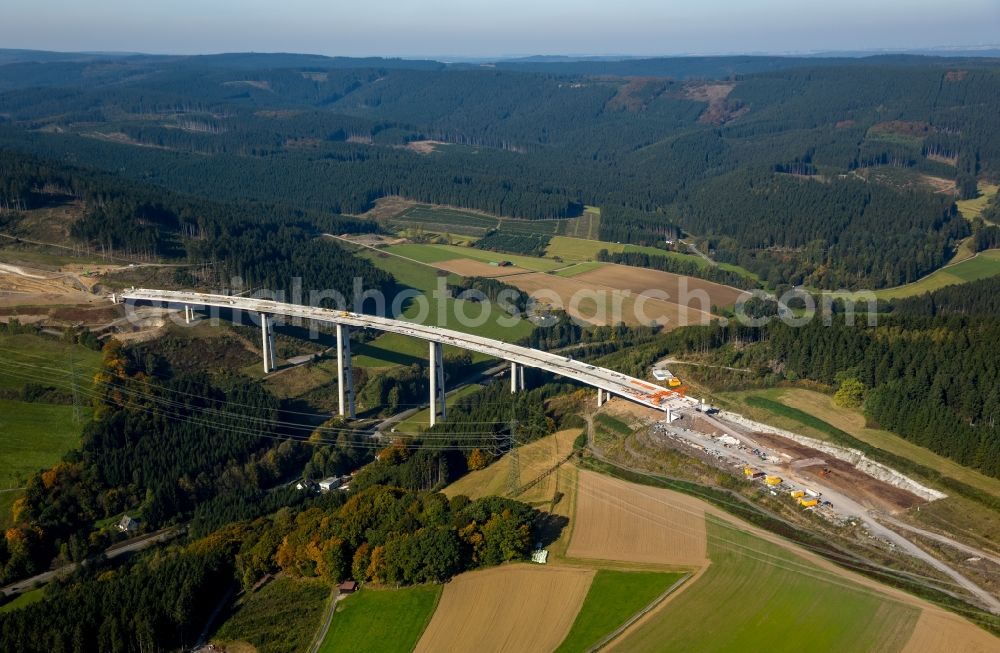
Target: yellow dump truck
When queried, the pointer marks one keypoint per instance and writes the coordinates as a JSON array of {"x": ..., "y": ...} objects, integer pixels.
[
  {"x": 772, "y": 480},
  {"x": 808, "y": 503},
  {"x": 797, "y": 494}
]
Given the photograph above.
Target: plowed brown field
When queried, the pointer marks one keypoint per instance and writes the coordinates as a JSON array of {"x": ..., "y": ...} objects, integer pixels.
[
  {"x": 639, "y": 280},
  {"x": 616, "y": 520},
  {"x": 605, "y": 304},
  {"x": 516, "y": 608}
]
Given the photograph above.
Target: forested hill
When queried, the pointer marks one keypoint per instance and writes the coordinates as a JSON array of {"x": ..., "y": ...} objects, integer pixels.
[
  {"x": 704, "y": 67},
  {"x": 975, "y": 298},
  {"x": 266, "y": 245},
  {"x": 880, "y": 139}
]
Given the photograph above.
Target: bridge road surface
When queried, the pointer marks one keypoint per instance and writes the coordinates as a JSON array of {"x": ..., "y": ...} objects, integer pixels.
[{"x": 616, "y": 383}]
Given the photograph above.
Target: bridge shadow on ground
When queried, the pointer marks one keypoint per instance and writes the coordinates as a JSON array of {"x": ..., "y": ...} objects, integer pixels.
[{"x": 387, "y": 355}]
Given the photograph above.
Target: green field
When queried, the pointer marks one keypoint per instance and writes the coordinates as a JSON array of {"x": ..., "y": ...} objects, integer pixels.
[
  {"x": 758, "y": 596},
  {"x": 983, "y": 265},
  {"x": 580, "y": 249},
  {"x": 439, "y": 219},
  {"x": 281, "y": 617},
  {"x": 437, "y": 253},
  {"x": 422, "y": 253},
  {"x": 381, "y": 621},
  {"x": 393, "y": 349},
  {"x": 586, "y": 226},
  {"x": 419, "y": 421},
  {"x": 23, "y": 600},
  {"x": 613, "y": 424},
  {"x": 613, "y": 597},
  {"x": 31, "y": 358},
  {"x": 33, "y": 436},
  {"x": 974, "y": 208}
]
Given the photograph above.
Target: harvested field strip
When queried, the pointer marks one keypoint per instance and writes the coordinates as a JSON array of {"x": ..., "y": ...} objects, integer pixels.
[
  {"x": 616, "y": 520},
  {"x": 614, "y": 597},
  {"x": 578, "y": 268},
  {"x": 534, "y": 459},
  {"x": 518, "y": 608},
  {"x": 938, "y": 631},
  {"x": 760, "y": 596},
  {"x": 470, "y": 268}
]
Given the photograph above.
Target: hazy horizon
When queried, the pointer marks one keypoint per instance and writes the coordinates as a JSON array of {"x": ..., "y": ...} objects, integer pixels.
[{"x": 448, "y": 29}]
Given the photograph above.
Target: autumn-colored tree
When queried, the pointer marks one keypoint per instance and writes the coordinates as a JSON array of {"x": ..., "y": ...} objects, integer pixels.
[
  {"x": 376, "y": 568},
  {"x": 477, "y": 460},
  {"x": 394, "y": 454},
  {"x": 361, "y": 561}
]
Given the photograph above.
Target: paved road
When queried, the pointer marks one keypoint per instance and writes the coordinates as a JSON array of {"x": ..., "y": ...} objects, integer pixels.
[
  {"x": 937, "y": 537},
  {"x": 697, "y": 251},
  {"x": 113, "y": 552},
  {"x": 331, "y": 609}
]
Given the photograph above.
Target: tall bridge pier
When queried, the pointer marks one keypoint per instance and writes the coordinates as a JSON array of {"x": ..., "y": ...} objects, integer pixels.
[
  {"x": 516, "y": 377},
  {"x": 345, "y": 375},
  {"x": 267, "y": 340},
  {"x": 436, "y": 370}
]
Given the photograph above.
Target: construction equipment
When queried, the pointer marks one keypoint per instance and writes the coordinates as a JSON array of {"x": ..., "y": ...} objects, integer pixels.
[
  {"x": 661, "y": 374},
  {"x": 772, "y": 480}
]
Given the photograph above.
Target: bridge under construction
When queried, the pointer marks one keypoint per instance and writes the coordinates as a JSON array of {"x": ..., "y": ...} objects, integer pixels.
[{"x": 607, "y": 382}]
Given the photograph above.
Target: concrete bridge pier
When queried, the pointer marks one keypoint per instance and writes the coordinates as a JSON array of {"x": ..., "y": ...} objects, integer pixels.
[
  {"x": 513, "y": 377},
  {"x": 602, "y": 397},
  {"x": 345, "y": 376},
  {"x": 436, "y": 369},
  {"x": 188, "y": 314},
  {"x": 267, "y": 341}
]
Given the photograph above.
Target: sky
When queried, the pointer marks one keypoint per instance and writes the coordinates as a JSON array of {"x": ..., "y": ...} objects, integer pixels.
[{"x": 491, "y": 28}]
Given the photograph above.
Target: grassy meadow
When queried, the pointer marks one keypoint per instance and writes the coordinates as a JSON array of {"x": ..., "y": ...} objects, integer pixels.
[
  {"x": 281, "y": 617},
  {"x": 614, "y": 596},
  {"x": 758, "y": 596},
  {"x": 381, "y": 620}
]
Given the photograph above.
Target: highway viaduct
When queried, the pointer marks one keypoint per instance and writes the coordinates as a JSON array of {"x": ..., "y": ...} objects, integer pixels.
[{"x": 607, "y": 382}]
